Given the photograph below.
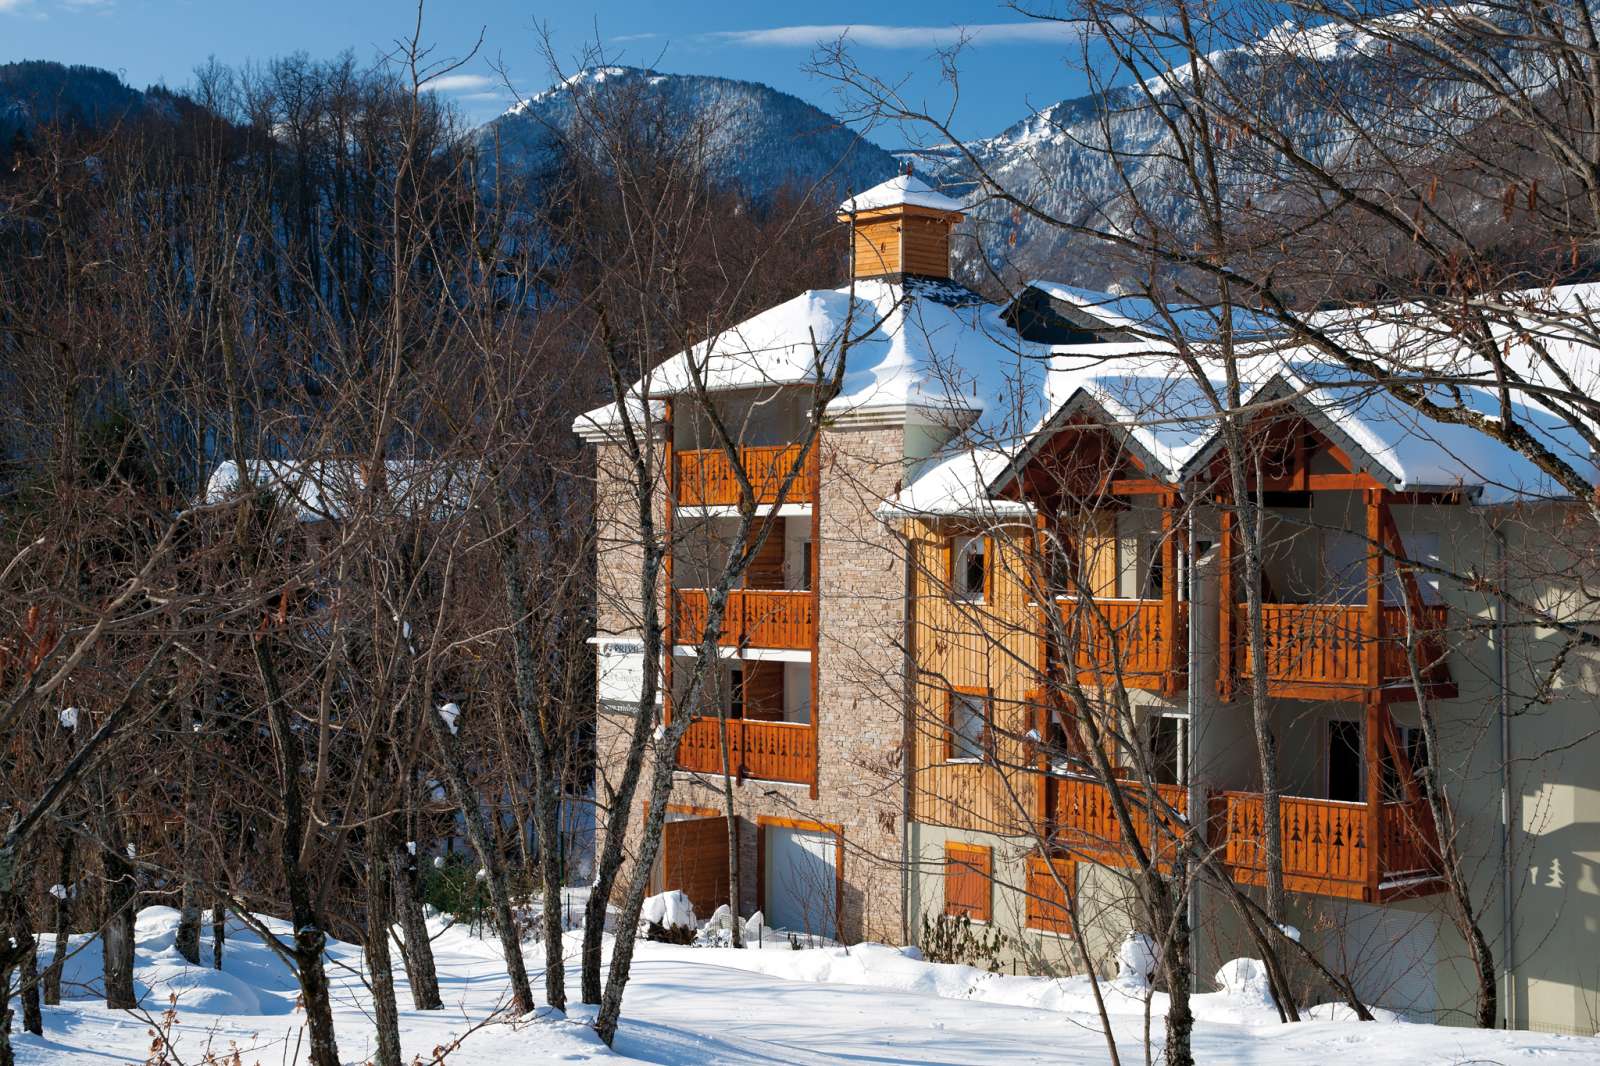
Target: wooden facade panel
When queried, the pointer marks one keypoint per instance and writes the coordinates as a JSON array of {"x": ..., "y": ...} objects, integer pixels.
[
  {"x": 991, "y": 646},
  {"x": 877, "y": 248}
]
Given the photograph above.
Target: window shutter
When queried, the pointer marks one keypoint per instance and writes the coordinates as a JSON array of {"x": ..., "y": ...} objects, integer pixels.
[
  {"x": 1047, "y": 904},
  {"x": 969, "y": 882}
]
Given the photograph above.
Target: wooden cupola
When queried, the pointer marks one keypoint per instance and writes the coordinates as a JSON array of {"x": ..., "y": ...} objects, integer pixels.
[{"x": 901, "y": 227}]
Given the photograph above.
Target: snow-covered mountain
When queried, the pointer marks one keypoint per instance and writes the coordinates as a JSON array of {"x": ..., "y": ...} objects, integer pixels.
[
  {"x": 758, "y": 137},
  {"x": 1078, "y": 158}
]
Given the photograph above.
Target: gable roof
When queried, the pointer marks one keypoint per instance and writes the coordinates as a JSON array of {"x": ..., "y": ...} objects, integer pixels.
[{"x": 902, "y": 190}]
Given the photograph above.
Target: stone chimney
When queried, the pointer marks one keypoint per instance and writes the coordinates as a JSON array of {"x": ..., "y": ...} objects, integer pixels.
[{"x": 899, "y": 228}]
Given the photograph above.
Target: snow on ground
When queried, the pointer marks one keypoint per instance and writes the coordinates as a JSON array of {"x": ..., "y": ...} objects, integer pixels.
[{"x": 702, "y": 1006}]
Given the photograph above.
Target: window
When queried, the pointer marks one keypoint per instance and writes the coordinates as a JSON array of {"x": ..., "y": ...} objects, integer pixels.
[
  {"x": 1168, "y": 739},
  {"x": 969, "y": 567},
  {"x": 1058, "y": 571},
  {"x": 736, "y": 693},
  {"x": 969, "y": 882},
  {"x": 968, "y": 734},
  {"x": 1346, "y": 762},
  {"x": 1046, "y": 908}
]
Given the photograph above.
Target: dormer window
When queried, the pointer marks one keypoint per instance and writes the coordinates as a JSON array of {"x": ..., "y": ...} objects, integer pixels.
[{"x": 969, "y": 567}]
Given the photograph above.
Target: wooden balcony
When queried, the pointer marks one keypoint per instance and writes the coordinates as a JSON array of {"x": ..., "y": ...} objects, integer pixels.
[
  {"x": 1079, "y": 817},
  {"x": 1148, "y": 637},
  {"x": 1328, "y": 846},
  {"x": 705, "y": 478},
  {"x": 766, "y": 751},
  {"x": 755, "y": 618},
  {"x": 1333, "y": 651}
]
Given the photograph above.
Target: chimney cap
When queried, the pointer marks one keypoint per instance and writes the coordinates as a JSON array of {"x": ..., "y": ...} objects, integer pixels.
[{"x": 902, "y": 190}]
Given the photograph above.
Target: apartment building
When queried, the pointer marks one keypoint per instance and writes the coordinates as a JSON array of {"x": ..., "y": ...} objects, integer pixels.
[{"x": 1011, "y": 500}]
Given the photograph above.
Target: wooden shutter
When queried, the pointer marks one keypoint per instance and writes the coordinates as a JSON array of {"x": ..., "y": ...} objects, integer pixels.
[
  {"x": 763, "y": 691},
  {"x": 694, "y": 860},
  {"x": 969, "y": 881},
  {"x": 1047, "y": 903}
]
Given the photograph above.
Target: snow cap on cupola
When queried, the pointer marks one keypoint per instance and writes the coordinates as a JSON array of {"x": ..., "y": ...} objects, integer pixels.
[{"x": 899, "y": 228}]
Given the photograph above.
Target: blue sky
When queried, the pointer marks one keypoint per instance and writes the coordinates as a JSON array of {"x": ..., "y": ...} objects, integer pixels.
[{"x": 1011, "y": 64}]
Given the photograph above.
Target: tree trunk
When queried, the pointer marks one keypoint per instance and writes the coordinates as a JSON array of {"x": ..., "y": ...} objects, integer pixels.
[
  {"x": 187, "y": 940},
  {"x": 63, "y": 922},
  {"x": 481, "y": 839},
  {"x": 219, "y": 931},
  {"x": 27, "y": 951},
  {"x": 308, "y": 939},
  {"x": 547, "y": 811},
  {"x": 736, "y": 929},
  {"x": 28, "y": 981},
  {"x": 1178, "y": 962},
  {"x": 380, "y": 967},
  {"x": 532, "y": 701},
  {"x": 116, "y": 940},
  {"x": 418, "y": 949}
]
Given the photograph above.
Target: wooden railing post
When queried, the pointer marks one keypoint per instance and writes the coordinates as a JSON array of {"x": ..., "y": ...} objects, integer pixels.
[
  {"x": 1374, "y": 790},
  {"x": 1169, "y": 592},
  {"x": 1372, "y": 624}
]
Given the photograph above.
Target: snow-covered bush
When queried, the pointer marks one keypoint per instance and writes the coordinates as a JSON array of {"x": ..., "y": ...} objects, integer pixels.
[
  {"x": 669, "y": 917},
  {"x": 1245, "y": 979},
  {"x": 1136, "y": 960}
]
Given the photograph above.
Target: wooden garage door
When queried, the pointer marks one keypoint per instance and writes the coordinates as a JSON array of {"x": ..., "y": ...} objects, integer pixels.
[{"x": 694, "y": 853}]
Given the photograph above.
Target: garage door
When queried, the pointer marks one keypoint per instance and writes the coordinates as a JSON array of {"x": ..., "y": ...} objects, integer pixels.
[{"x": 801, "y": 880}]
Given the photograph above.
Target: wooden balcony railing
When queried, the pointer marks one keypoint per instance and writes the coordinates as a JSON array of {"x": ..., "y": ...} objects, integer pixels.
[
  {"x": 1149, "y": 637},
  {"x": 754, "y": 618},
  {"x": 1079, "y": 816},
  {"x": 1328, "y": 848},
  {"x": 1330, "y": 644},
  {"x": 705, "y": 478},
  {"x": 768, "y": 751}
]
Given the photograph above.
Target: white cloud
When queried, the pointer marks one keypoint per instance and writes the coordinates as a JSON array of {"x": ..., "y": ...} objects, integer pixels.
[
  {"x": 39, "y": 11},
  {"x": 462, "y": 83},
  {"x": 877, "y": 35}
]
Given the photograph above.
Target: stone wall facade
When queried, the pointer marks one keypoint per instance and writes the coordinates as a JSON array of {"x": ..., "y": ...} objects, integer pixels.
[{"x": 859, "y": 705}]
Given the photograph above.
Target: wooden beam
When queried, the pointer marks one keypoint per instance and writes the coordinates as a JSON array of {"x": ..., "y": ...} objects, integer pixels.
[
  {"x": 1169, "y": 591},
  {"x": 1374, "y": 810},
  {"x": 1225, "y": 669}
]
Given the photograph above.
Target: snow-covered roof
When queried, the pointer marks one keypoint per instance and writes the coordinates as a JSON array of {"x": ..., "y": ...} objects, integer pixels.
[
  {"x": 1169, "y": 421},
  {"x": 902, "y": 190},
  {"x": 1411, "y": 452},
  {"x": 1145, "y": 318},
  {"x": 955, "y": 484},
  {"x": 326, "y": 489},
  {"x": 930, "y": 346}
]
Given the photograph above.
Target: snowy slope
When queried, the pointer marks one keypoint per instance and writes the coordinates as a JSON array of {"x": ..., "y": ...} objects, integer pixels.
[
  {"x": 712, "y": 1006},
  {"x": 759, "y": 137}
]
